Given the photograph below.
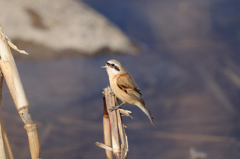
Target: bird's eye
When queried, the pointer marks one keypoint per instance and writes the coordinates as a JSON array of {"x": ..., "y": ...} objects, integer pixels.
[
  {"x": 113, "y": 66},
  {"x": 116, "y": 68}
]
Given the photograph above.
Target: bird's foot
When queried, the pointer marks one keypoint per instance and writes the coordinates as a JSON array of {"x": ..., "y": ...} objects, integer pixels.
[{"x": 114, "y": 108}]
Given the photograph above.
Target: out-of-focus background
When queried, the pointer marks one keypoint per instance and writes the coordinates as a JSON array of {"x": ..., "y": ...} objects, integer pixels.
[{"x": 183, "y": 54}]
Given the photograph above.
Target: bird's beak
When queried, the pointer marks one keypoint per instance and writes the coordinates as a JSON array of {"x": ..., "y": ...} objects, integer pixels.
[{"x": 104, "y": 66}]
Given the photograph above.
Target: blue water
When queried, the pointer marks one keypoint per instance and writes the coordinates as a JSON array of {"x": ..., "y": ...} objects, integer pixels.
[{"x": 182, "y": 41}]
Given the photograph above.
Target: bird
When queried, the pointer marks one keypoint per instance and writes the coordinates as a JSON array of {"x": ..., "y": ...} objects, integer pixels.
[{"x": 125, "y": 88}]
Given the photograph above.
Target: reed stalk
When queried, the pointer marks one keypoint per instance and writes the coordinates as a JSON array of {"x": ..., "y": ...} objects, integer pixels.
[
  {"x": 106, "y": 130},
  {"x": 5, "y": 149},
  {"x": 113, "y": 123},
  {"x": 110, "y": 101},
  {"x": 11, "y": 75}
]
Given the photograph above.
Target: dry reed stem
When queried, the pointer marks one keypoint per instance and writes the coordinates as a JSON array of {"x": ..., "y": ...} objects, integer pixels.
[
  {"x": 126, "y": 141},
  {"x": 33, "y": 140},
  {"x": 5, "y": 149},
  {"x": 110, "y": 101},
  {"x": 123, "y": 136},
  {"x": 116, "y": 127},
  {"x": 104, "y": 146},
  {"x": 106, "y": 130},
  {"x": 14, "y": 46},
  {"x": 14, "y": 83},
  {"x": 11, "y": 75}
]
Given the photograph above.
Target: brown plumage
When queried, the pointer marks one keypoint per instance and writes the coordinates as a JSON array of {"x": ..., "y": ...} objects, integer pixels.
[{"x": 124, "y": 86}]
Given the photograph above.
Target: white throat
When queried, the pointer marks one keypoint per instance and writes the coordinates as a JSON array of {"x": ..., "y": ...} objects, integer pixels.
[{"x": 112, "y": 71}]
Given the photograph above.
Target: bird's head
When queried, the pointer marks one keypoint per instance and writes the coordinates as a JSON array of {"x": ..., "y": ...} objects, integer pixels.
[{"x": 114, "y": 67}]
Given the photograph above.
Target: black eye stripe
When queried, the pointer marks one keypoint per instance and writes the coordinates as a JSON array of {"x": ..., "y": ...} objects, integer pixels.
[
  {"x": 116, "y": 68},
  {"x": 109, "y": 64},
  {"x": 113, "y": 66}
]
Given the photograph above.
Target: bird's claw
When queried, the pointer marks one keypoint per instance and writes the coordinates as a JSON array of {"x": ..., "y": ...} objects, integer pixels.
[{"x": 114, "y": 108}]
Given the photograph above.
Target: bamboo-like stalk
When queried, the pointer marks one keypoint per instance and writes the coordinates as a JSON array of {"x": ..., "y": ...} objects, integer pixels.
[
  {"x": 123, "y": 136},
  {"x": 11, "y": 75},
  {"x": 5, "y": 149},
  {"x": 126, "y": 143},
  {"x": 14, "y": 83},
  {"x": 3, "y": 154},
  {"x": 110, "y": 101},
  {"x": 116, "y": 127},
  {"x": 33, "y": 140},
  {"x": 106, "y": 130}
]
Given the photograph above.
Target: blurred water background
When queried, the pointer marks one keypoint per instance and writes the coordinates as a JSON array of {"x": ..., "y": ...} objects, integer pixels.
[{"x": 188, "y": 72}]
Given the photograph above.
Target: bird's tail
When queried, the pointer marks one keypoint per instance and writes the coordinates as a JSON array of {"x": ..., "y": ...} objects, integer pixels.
[{"x": 144, "y": 108}]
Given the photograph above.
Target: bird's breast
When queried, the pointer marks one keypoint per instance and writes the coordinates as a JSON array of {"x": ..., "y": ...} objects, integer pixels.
[{"x": 121, "y": 94}]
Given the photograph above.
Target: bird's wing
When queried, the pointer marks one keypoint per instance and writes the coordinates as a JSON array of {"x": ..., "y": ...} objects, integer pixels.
[{"x": 127, "y": 84}]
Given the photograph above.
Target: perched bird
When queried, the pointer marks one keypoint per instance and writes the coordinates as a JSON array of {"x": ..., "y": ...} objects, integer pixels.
[{"x": 124, "y": 87}]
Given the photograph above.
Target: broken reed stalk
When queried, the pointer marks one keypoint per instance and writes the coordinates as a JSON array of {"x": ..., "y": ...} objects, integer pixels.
[
  {"x": 123, "y": 136},
  {"x": 106, "y": 130},
  {"x": 14, "y": 83},
  {"x": 117, "y": 127},
  {"x": 110, "y": 101},
  {"x": 5, "y": 149}
]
